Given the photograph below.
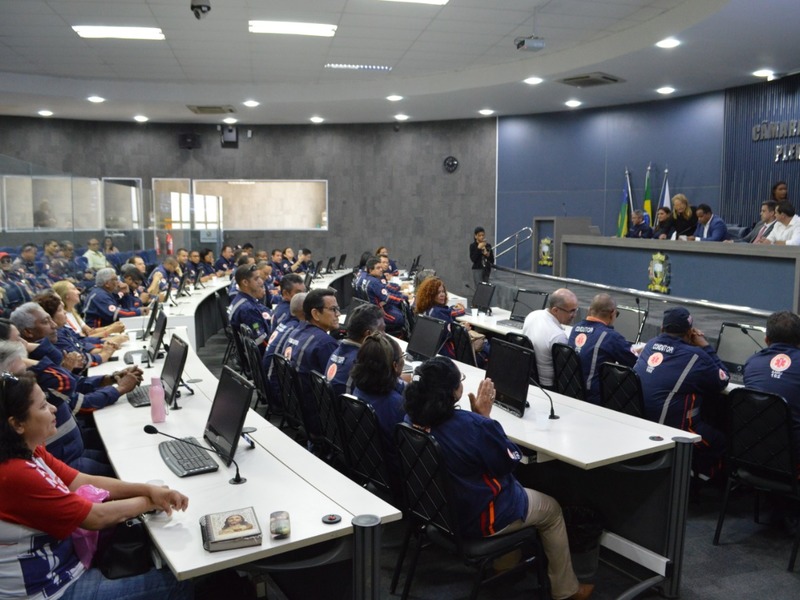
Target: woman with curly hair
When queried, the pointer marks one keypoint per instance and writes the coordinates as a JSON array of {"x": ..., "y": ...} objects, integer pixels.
[
  {"x": 684, "y": 221},
  {"x": 431, "y": 300}
]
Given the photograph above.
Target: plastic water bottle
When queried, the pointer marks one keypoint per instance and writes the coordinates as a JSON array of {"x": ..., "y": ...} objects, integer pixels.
[{"x": 158, "y": 410}]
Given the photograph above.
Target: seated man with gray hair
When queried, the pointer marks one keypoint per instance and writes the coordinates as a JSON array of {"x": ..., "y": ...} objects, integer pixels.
[
  {"x": 639, "y": 229},
  {"x": 104, "y": 305}
]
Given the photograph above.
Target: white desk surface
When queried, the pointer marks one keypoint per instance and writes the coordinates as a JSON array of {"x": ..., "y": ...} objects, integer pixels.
[{"x": 280, "y": 475}]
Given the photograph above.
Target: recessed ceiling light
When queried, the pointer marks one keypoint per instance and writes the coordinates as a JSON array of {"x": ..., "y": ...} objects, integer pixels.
[
  {"x": 764, "y": 73},
  {"x": 486, "y": 112},
  {"x": 45, "y": 113},
  {"x": 118, "y": 33},
  {"x": 317, "y": 120},
  {"x": 394, "y": 98},
  {"x": 533, "y": 80},
  {"x": 293, "y": 28},
  {"x": 251, "y": 103},
  {"x": 666, "y": 90},
  {"x": 358, "y": 67},
  {"x": 230, "y": 120},
  {"x": 668, "y": 43},
  {"x": 140, "y": 119},
  {"x": 401, "y": 117},
  {"x": 573, "y": 103},
  {"x": 436, "y": 2},
  {"x": 96, "y": 99}
]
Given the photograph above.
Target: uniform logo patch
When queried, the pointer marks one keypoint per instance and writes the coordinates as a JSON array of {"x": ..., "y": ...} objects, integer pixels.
[
  {"x": 111, "y": 308},
  {"x": 265, "y": 315},
  {"x": 287, "y": 354},
  {"x": 722, "y": 375},
  {"x": 655, "y": 359},
  {"x": 331, "y": 372},
  {"x": 780, "y": 363},
  {"x": 580, "y": 340}
]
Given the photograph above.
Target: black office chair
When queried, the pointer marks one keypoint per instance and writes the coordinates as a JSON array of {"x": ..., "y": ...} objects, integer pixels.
[
  {"x": 238, "y": 348},
  {"x": 222, "y": 308},
  {"x": 431, "y": 508},
  {"x": 621, "y": 389},
  {"x": 289, "y": 386},
  {"x": 328, "y": 445},
  {"x": 362, "y": 445},
  {"x": 568, "y": 375},
  {"x": 462, "y": 345},
  {"x": 524, "y": 342},
  {"x": 264, "y": 402},
  {"x": 761, "y": 451}
]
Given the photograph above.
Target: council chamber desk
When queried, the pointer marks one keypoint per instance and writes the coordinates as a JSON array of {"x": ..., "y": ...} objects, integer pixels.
[
  {"x": 634, "y": 472},
  {"x": 280, "y": 476}
]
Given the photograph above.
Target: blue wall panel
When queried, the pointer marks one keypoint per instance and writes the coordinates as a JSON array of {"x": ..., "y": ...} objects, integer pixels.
[{"x": 573, "y": 163}]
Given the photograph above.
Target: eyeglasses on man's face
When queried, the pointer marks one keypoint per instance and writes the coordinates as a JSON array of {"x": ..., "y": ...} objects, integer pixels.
[{"x": 570, "y": 311}]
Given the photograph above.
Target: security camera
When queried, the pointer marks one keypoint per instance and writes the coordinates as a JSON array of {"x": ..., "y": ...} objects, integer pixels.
[{"x": 200, "y": 8}]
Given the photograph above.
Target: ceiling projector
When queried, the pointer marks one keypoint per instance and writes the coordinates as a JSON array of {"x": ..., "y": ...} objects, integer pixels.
[{"x": 531, "y": 43}]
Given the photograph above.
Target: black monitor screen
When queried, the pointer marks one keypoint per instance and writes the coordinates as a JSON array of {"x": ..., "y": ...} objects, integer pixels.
[
  {"x": 182, "y": 284},
  {"x": 152, "y": 320},
  {"x": 228, "y": 412},
  {"x": 158, "y": 337},
  {"x": 527, "y": 301},
  {"x": 307, "y": 281},
  {"x": 173, "y": 367},
  {"x": 630, "y": 322},
  {"x": 342, "y": 261},
  {"x": 331, "y": 264},
  {"x": 737, "y": 343},
  {"x": 510, "y": 369},
  {"x": 427, "y": 338},
  {"x": 482, "y": 300}
]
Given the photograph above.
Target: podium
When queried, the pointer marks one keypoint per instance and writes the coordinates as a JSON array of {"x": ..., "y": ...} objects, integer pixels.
[{"x": 547, "y": 234}]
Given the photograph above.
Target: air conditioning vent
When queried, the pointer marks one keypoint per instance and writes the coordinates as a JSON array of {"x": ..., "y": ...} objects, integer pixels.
[
  {"x": 590, "y": 80},
  {"x": 211, "y": 110}
]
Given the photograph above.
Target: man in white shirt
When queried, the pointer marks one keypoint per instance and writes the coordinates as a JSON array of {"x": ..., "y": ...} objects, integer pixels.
[
  {"x": 787, "y": 229},
  {"x": 544, "y": 328},
  {"x": 96, "y": 259}
]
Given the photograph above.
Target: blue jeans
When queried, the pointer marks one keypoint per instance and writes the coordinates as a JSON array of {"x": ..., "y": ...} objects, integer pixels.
[{"x": 156, "y": 583}]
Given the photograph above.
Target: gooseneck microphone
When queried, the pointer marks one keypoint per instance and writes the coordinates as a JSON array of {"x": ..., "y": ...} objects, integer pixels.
[
  {"x": 750, "y": 335},
  {"x": 237, "y": 480},
  {"x": 553, "y": 414}
]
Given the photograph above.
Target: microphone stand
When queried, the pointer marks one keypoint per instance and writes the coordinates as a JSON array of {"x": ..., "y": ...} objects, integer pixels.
[
  {"x": 553, "y": 416},
  {"x": 237, "y": 480}
]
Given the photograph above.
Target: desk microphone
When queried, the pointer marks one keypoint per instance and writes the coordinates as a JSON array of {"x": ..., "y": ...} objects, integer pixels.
[
  {"x": 553, "y": 414},
  {"x": 235, "y": 481},
  {"x": 639, "y": 320},
  {"x": 750, "y": 335}
]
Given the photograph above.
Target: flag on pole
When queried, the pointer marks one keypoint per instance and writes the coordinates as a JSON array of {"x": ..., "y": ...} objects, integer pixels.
[
  {"x": 647, "y": 206},
  {"x": 625, "y": 210},
  {"x": 665, "y": 197}
]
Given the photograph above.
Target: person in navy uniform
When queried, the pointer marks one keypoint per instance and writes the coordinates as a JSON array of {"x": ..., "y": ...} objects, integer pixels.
[
  {"x": 135, "y": 295},
  {"x": 104, "y": 306},
  {"x": 310, "y": 345},
  {"x": 207, "y": 263},
  {"x": 243, "y": 259},
  {"x": 276, "y": 342},
  {"x": 596, "y": 342},
  {"x": 776, "y": 368},
  {"x": 225, "y": 262},
  {"x": 272, "y": 290},
  {"x": 290, "y": 285},
  {"x": 287, "y": 260},
  {"x": 639, "y": 229},
  {"x": 679, "y": 370},
  {"x": 380, "y": 294},
  {"x": 276, "y": 260},
  {"x": 164, "y": 277},
  {"x": 365, "y": 320},
  {"x": 247, "y": 309},
  {"x": 392, "y": 271}
]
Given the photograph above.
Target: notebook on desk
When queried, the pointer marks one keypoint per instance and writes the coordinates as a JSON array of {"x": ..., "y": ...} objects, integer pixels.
[{"x": 525, "y": 302}]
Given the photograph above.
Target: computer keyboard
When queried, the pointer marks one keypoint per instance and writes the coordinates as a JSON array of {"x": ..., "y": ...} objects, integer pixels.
[
  {"x": 185, "y": 460},
  {"x": 510, "y": 323},
  {"x": 139, "y": 396}
]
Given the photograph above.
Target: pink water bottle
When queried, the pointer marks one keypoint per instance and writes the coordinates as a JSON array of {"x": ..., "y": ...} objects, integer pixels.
[{"x": 158, "y": 410}]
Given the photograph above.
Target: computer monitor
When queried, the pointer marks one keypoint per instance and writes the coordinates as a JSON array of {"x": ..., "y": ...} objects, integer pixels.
[
  {"x": 630, "y": 323},
  {"x": 331, "y": 264},
  {"x": 158, "y": 337},
  {"x": 181, "y": 291},
  {"x": 482, "y": 300},
  {"x": 308, "y": 279},
  {"x": 228, "y": 411},
  {"x": 738, "y": 342},
  {"x": 342, "y": 261},
  {"x": 427, "y": 338},
  {"x": 414, "y": 265},
  {"x": 154, "y": 310},
  {"x": 318, "y": 269},
  {"x": 172, "y": 371},
  {"x": 527, "y": 301},
  {"x": 510, "y": 369}
]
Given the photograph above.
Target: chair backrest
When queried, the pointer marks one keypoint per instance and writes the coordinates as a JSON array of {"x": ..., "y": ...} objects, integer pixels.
[
  {"x": 520, "y": 339},
  {"x": 760, "y": 435},
  {"x": 621, "y": 389},
  {"x": 462, "y": 344},
  {"x": 222, "y": 308},
  {"x": 568, "y": 379},
  {"x": 426, "y": 483},
  {"x": 325, "y": 401},
  {"x": 238, "y": 336},
  {"x": 362, "y": 442},
  {"x": 286, "y": 377},
  {"x": 253, "y": 359}
]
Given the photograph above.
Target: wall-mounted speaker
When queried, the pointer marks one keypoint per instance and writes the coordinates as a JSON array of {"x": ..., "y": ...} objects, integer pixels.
[
  {"x": 230, "y": 137},
  {"x": 189, "y": 141}
]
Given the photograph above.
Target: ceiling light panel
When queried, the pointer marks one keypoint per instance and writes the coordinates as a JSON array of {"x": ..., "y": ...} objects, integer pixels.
[
  {"x": 118, "y": 33},
  {"x": 293, "y": 28}
]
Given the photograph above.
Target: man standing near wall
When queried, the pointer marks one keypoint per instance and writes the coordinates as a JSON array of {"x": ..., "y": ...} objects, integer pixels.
[{"x": 482, "y": 257}]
